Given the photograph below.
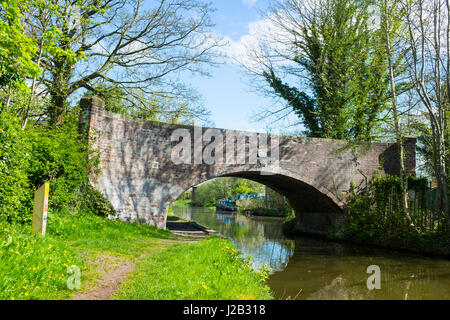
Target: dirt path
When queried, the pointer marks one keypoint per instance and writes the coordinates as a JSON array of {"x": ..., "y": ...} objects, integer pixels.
[{"x": 112, "y": 271}]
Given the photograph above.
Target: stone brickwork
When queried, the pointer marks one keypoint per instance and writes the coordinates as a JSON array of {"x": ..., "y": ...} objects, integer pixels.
[{"x": 140, "y": 179}]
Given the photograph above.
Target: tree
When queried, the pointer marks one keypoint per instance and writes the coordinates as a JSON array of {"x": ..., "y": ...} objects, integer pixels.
[
  {"x": 327, "y": 64},
  {"x": 16, "y": 51},
  {"x": 152, "y": 107},
  {"x": 119, "y": 43},
  {"x": 428, "y": 26},
  {"x": 391, "y": 20}
]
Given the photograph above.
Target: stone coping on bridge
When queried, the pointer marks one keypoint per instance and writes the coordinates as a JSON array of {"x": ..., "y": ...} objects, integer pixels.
[
  {"x": 165, "y": 125},
  {"x": 96, "y": 104}
]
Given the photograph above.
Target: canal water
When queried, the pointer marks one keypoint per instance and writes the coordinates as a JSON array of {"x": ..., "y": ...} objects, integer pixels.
[{"x": 306, "y": 268}]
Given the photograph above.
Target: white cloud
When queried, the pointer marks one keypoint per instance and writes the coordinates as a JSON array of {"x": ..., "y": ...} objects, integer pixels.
[
  {"x": 247, "y": 51},
  {"x": 250, "y": 3}
]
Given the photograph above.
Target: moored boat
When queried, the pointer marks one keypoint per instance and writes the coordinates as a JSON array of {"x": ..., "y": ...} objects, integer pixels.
[{"x": 226, "y": 204}]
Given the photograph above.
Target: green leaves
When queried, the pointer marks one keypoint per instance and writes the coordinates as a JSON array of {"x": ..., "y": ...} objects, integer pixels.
[
  {"x": 59, "y": 157},
  {"x": 339, "y": 62},
  {"x": 304, "y": 106},
  {"x": 42, "y": 154},
  {"x": 16, "y": 48},
  {"x": 377, "y": 212},
  {"x": 14, "y": 156}
]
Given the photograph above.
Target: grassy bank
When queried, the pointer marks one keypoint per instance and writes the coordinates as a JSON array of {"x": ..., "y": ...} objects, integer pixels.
[
  {"x": 431, "y": 243},
  {"x": 210, "y": 269},
  {"x": 181, "y": 204},
  {"x": 266, "y": 212},
  {"x": 263, "y": 208},
  {"x": 37, "y": 267}
]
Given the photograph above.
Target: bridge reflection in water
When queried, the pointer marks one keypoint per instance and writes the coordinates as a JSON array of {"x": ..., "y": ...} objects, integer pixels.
[{"x": 314, "y": 269}]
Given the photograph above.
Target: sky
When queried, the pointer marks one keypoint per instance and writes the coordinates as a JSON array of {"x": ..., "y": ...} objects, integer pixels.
[{"x": 226, "y": 93}]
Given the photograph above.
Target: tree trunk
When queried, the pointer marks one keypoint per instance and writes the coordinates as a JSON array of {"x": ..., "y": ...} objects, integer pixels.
[
  {"x": 395, "y": 115},
  {"x": 57, "y": 108}
]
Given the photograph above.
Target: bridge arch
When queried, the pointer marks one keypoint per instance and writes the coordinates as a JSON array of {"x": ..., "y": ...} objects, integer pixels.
[{"x": 317, "y": 210}]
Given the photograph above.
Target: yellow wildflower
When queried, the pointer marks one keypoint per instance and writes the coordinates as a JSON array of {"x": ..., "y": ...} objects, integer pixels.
[{"x": 26, "y": 294}]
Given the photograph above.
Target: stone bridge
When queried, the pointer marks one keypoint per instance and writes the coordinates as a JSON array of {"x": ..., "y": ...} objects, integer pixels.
[{"x": 140, "y": 178}]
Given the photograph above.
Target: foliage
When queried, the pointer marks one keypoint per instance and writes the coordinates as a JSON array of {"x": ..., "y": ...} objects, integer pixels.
[
  {"x": 14, "y": 159},
  {"x": 259, "y": 207},
  {"x": 16, "y": 49},
  {"x": 136, "y": 104},
  {"x": 59, "y": 158},
  {"x": 81, "y": 44},
  {"x": 43, "y": 154},
  {"x": 427, "y": 26},
  {"x": 242, "y": 187},
  {"x": 377, "y": 212},
  {"x": 93, "y": 201},
  {"x": 210, "y": 269},
  {"x": 209, "y": 192},
  {"x": 274, "y": 205},
  {"x": 333, "y": 73}
]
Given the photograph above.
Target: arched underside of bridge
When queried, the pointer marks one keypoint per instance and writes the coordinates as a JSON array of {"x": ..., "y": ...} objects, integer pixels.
[{"x": 315, "y": 212}]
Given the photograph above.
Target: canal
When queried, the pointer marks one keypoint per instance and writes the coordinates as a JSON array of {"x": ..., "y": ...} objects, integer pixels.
[{"x": 305, "y": 268}]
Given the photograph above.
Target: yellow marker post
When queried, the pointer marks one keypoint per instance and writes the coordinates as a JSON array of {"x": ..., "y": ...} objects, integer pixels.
[{"x": 40, "y": 208}]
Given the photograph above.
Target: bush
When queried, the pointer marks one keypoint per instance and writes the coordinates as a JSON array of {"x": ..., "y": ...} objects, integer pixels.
[
  {"x": 93, "y": 201},
  {"x": 15, "y": 196},
  {"x": 40, "y": 154},
  {"x": 377, "y": 212},
  {"x": 58, "y": 156}
]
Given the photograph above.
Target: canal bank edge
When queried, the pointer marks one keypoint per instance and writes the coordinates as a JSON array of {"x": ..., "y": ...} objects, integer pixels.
[{"x": 432, "y": 245}]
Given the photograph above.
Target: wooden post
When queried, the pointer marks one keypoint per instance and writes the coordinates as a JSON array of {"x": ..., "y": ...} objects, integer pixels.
[
  {"x": 193, "y": 194},
  {"x": 40, "y": 208}
]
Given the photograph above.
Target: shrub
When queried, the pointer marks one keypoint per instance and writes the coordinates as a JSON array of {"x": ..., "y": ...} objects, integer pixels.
[
  {"x": 93, "y": 201},
  {"x": 15, "y": 196},
  {"x": 59, "y": 157},
  {"x": 377, "y": 212}
]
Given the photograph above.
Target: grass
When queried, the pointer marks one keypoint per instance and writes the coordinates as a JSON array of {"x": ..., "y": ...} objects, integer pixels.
[
  {"x": 35, "y": 267},
  {"x": 209, "y": 269},
  {"x": 266, "y": 212},
  {"x": 181, "y": 204},
  {"x": 178, "y": 204}
]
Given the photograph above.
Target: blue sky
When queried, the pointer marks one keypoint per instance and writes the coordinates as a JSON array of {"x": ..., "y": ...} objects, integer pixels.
[{"x": 226, "y": 93}]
